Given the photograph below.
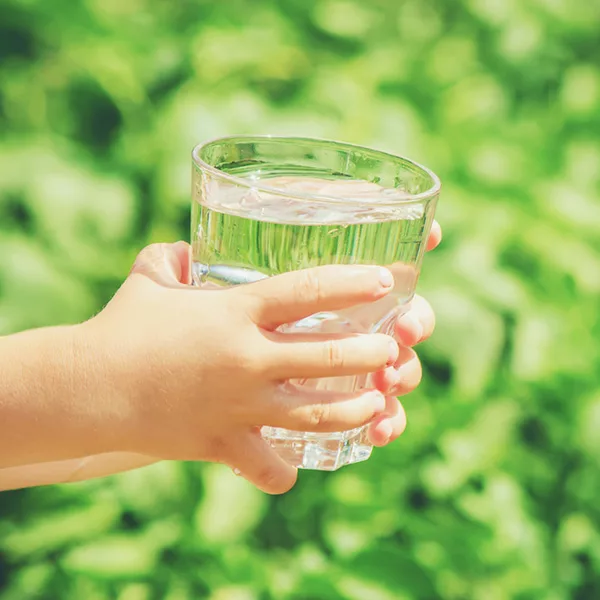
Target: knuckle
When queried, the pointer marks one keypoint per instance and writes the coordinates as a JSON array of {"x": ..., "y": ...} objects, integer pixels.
[
  {"x": 248, "y": 362},
  {"x": 367, "y": 415},
  {"x": 309, "y": 286},
  {"x": 147, "y": 256},
  {"x": 268, "y": 478},
  {"x": 334, "y": 354},
  {"x": 252, "y": 359},
  {"x": 154, "y": 253},
  {"x": 319, "y": 416},
  {"x": 152, "y": 250},
  {"x": 246, "y": 299}
]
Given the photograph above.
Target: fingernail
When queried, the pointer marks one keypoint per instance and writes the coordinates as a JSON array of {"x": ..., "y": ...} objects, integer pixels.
[
  {"x": 416, "y": 325},
  {"x": 378, "y": 402},
  {"x": 385, "y": 430},
  {"x": 401, "y": 378},
  {"x": 396, "y": 378},
  {"x": 386, "y": 278},
  {"x": 394, "y": 352}
]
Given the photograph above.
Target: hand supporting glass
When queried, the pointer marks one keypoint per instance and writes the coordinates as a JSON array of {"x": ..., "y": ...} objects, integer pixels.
[{"x": 266, "y": 205}]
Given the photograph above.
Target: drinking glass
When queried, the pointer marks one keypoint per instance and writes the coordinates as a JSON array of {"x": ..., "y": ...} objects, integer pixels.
[{"x": 264, "y": 205}]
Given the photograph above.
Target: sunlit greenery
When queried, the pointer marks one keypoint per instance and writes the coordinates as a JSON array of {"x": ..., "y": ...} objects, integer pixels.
[{"x": 493, "y": 491}]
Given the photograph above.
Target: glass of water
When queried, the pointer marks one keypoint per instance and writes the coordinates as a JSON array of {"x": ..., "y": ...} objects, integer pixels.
[{"x": 266, "y": 205}]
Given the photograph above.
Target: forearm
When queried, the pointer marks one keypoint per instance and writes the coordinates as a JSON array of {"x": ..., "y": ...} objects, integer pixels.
[
  {"x": 54, "y": 403},
  {"x": 69, "y": 471}
]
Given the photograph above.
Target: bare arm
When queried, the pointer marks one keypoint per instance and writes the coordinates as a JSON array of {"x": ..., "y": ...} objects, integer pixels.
[
  {"x": 109, "y": 395},
  {"x": 68, "y": 471},
  {"x": 54, "y": 404}
]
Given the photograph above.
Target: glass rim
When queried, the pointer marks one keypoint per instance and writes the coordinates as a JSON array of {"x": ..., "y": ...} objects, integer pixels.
[{"x": 406, "y": 199}]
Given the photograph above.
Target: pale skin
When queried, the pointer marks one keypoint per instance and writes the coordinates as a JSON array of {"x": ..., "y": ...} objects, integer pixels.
[{"x": 171, "y": 372}]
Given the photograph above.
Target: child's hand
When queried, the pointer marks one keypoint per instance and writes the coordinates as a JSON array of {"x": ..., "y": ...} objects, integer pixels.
[
  {"x": 404, "y": 376},
  {"x": 83, "y": 389},
  {"x": 195, "y": 373},
  {"x": 412, "y": 328}
]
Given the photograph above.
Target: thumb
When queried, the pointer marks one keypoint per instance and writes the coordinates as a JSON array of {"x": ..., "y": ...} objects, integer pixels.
[{"x": 166, "y": 264}]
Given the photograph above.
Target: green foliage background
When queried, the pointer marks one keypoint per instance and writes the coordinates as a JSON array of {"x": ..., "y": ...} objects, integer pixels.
[{"x": 493, "y": 491}]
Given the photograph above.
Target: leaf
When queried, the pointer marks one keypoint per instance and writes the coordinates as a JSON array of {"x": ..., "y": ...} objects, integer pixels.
[
  {"x": 114, "y": 556},
  {"x": 218, "y": 519},
  {"x": 58, "y": 529},
  {"x": 392, "y": 568}
]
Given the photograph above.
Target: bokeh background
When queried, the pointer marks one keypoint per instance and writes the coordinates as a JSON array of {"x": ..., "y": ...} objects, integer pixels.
[{"x": 493, "y": 491}]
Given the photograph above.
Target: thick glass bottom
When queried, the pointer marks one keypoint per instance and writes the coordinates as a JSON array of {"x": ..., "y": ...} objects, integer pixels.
[{"x": 319, "y": 451}]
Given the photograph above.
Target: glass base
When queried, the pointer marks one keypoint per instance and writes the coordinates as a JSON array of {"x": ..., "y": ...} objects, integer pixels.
[{"x": 319, "y": 451}]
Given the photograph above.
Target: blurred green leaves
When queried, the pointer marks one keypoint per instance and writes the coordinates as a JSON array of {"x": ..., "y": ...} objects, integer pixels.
[
  {"x": 218, "y": 519},
  {"x": 492, "y": 492}
]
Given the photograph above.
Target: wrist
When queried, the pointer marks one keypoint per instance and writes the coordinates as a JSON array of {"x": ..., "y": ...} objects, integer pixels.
[
  {"x": 102, "y": 380},
  {"x": 54, "y": 401}
]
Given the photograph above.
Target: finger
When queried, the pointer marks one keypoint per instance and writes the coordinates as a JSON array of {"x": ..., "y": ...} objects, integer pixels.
[
  {"x": 313, "y": 355},
  {"x": 435, "y": 237},
  {"x": 166, "y": 264},
  {"x": 415, "y": 325},
  {"x": 390, "y": 425},
  {"x": 293, "y": 296},
  {"x": 403, "y": 377},
  {"x": 184, "y": 254},
  {"x": 298, "y": 409},
  {"x": 258, "y": 463}
]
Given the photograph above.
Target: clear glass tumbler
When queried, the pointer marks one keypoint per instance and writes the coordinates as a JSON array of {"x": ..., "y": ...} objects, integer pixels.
[{"x": 266, "y": 205}]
